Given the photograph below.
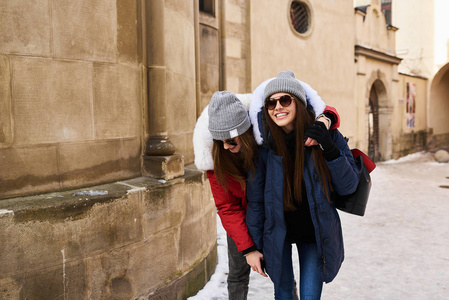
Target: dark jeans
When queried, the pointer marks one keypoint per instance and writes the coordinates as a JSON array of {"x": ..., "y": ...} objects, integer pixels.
[{"x": 238, "y": 278}]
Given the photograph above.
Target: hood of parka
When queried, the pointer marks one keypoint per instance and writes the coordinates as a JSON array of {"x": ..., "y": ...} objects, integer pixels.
[
  {"x": 257, "y": 103},
  {"x": 202, "y": 138}
]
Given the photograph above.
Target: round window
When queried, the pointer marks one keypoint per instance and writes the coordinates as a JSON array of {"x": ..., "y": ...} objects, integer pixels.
[{"x": 300, "y": 17}]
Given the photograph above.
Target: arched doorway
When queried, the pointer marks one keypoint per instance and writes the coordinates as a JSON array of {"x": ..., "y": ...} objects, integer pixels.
[
  {"x": 378, "y": 121},
  {"x": 373, "y": 125},
  {"x": 439, "y": 109}
]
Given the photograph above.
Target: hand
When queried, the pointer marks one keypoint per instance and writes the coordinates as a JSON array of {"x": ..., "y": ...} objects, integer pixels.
[
  {"x": 253, "y": 259},
  {"x": 311, "y": 142},
  {"x": 320, "y": 134}
]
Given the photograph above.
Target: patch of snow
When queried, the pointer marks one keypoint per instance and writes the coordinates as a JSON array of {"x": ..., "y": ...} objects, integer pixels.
[
  {"x": 6, "y": 212},
  {"x": 136, "y": 190},
  {"x": 418, "y": 156},
  {"x": 91, "y": 193}
]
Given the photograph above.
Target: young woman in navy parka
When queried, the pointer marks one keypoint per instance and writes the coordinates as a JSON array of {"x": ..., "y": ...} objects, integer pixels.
[
  {"x": 225, "y": 146},
  {"x": 290, "y": 196}
]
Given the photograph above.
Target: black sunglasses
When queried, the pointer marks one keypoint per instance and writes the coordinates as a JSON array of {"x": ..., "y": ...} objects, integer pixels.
[
  {"x": 230, "y": 142},
  {"x": 284, "y": 100}
]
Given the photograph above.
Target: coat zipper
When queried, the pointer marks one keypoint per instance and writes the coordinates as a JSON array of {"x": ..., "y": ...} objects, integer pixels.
[{"x": 323, "y": 259}]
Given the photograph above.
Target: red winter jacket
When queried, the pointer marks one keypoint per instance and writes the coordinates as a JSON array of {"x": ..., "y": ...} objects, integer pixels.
[
  {"x": 336, "y": 117},
  {"x": 231, "y": 205}
]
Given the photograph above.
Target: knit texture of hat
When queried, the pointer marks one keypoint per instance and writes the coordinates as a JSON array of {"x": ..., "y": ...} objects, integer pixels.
[
  {"x": 285, "y": 82},
  {"x": 228, "y": 117}
]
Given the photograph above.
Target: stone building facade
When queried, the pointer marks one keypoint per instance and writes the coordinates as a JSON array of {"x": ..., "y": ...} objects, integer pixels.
[
  {"x": 98, "y": 100},
  {"x": 95, "y": 99}
]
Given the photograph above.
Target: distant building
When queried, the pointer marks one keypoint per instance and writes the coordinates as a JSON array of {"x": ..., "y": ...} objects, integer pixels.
[{"x": 423, "y": 44}]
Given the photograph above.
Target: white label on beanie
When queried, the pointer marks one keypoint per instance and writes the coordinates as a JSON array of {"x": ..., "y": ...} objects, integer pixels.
[{"x": 233, "y": 133}]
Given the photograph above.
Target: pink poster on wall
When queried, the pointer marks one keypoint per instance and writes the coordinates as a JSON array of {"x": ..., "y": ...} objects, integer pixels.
[{"x": 410, "y": 105}]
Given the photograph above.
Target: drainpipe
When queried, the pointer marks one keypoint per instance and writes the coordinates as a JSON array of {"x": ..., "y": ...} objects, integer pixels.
[{"x": 159, "y": 160}]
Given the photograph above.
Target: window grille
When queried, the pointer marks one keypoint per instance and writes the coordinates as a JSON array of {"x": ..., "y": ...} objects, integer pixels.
[{"x": 300, "y": 16}]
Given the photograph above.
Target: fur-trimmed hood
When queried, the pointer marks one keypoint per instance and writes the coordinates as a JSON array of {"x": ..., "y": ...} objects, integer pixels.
[
  {"x": 255, "y": 109},
  {"x": 202, "y": 138}
]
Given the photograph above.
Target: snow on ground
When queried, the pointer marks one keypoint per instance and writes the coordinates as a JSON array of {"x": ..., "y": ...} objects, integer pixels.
[
  {"x": 91, "y": 193},
  {"x": 398, "y": 250}
]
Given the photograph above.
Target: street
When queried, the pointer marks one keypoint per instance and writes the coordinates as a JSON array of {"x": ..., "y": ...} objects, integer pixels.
[{"x": 398, "y": 250}]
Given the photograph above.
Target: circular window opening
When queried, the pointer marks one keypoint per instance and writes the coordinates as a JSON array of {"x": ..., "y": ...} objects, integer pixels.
[{"x": 300, "y": 16}]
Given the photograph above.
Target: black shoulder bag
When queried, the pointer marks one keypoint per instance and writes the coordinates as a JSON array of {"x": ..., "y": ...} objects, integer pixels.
[{"x": 355, "y": 203}]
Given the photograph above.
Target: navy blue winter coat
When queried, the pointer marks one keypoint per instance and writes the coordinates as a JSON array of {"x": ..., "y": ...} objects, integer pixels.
[{"x": 265, "y": 211}]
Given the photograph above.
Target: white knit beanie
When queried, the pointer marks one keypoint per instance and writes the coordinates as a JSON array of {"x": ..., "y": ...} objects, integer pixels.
[{"x": 228, "y": 117}]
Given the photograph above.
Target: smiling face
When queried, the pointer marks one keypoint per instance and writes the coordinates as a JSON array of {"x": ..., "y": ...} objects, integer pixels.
[{"x": 283, "y": 116}]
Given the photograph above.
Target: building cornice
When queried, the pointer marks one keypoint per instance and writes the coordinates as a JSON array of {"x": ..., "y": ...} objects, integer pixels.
[
  {"x": 413, "y": 75},
  {"x": 377, "y": 55},
  {"x": 392, "y": 28}
]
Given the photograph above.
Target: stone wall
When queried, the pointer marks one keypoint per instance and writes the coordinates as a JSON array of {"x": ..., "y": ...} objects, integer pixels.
[
  {"x": 210, "y": 69},
  {"x": 438, "y": 141},
  {"x": 237, "y": 47},
  {"x": 141, "y": 240},
  {"x": 181, "y": 74},
  {"x": 408, "y": 143},
  {"x": 76, "y": 110},
  {"x": 70, "y": 95}
]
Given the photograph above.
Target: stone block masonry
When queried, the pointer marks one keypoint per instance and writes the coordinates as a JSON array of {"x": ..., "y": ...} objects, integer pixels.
[{"x": 134, "y": 239}]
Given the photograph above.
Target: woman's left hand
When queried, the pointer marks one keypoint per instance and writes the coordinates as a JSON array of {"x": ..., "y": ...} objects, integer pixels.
[
  {"x": 311, "y": 142},
  {"x": 320, "y": 134}
]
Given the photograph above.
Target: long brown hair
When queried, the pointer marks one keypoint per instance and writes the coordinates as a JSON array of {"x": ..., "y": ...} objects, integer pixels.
[
  {"x": 294, "y": 174},
  {"x": 235, "y": 165}
]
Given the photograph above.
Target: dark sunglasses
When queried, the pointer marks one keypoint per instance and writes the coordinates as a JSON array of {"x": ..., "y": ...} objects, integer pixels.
[
  {"x": 284, "y": 100},
  {"x": 230, "y": 142}
]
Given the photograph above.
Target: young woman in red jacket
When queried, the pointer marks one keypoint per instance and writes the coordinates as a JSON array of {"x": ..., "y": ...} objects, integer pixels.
[{"x": 225, "y": 146}]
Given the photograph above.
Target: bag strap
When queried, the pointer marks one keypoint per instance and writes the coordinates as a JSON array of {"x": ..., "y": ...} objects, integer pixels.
[{"x": 370, "y": 165}]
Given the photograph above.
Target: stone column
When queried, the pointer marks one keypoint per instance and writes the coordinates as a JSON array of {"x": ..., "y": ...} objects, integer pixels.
[
  {"x": 159, "y": 160},
  {"x": 196, "y": 19}
]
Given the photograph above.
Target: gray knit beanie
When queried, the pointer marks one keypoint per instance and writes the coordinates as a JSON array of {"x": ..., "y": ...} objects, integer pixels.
[
  {"x": 228, "y": 117},
  {"x": 285, "y": 83}
]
